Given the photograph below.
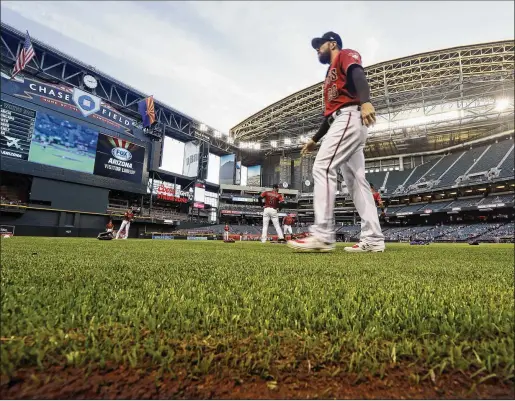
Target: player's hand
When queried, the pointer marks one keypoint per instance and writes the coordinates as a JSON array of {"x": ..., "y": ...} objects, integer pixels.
[
  {"x": 308, "y": 147},
  {"x": 368, "y": 114}
]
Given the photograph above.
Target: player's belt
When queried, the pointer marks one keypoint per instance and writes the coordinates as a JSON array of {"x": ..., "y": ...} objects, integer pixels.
[{"x": 333, "y": 116}]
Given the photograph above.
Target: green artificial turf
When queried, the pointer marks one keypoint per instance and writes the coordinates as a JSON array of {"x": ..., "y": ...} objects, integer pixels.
[{"x": 204, "y": 306}]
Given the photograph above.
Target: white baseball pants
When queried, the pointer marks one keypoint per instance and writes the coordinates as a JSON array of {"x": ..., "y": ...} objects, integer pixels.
[
  {"x": 125, "y": 225},
  {"x": 342, "y": 147},
  {"x": 270, "y": 214},
  {"x": 287, "y": 229},
  {"x": 226, "y": 235}
]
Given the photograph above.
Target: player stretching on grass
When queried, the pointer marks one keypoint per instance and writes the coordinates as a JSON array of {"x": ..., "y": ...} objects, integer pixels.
[
  {"x": 272, "y": 200},
  {"x": 348, "y": 112}
]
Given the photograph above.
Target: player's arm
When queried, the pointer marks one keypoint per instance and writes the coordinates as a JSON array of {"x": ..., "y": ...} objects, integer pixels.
[{"x": 321, "y": 131}]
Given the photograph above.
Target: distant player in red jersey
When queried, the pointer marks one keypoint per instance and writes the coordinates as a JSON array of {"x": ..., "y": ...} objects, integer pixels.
[
  {"x": 287, "y": 223},
  {"x": 272, "y": 201},
  {"x": 127, "y": 218},
  {"x": 377, "y": 199},
  {"x": 108, "y": 234},
  {"x": 226, "y": 232},
  {"x": 347, "y": 114}
]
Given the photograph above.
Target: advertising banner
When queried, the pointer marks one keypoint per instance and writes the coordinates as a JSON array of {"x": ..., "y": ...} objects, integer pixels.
[
  {"x": 227, "y": 169},
  {"x": 285, "y": 172},
  {"x": 118, "y": 158},
  {"x": 191, "y": 159},
  {"x": 237, "y": 174},
  {"x": 166, "y": 191},
  {"x": 254, "y": 176}
]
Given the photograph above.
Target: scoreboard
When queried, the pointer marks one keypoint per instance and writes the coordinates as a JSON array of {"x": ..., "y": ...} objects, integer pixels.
[{"x": 17, "y": 125}]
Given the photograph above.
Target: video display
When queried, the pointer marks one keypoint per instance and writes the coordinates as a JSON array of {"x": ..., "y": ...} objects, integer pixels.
[{"x": 62, "y": 143}]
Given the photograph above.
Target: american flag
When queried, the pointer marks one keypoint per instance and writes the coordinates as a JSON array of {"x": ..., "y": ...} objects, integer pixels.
[{"x": 26, "y": 54}]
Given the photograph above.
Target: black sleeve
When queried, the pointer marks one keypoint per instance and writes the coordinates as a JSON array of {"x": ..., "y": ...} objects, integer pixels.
[
  {"x": 321, "y": 131},
  {"x": 357, "y": 75}
]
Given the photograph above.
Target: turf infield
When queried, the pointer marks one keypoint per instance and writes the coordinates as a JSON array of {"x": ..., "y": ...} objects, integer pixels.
[{"x": 198, "y": 308}]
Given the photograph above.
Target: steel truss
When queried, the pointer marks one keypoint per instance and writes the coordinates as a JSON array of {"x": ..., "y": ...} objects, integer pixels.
[
  {"x": 53, "y": 66},
  {"x": 419, "y": 84}
]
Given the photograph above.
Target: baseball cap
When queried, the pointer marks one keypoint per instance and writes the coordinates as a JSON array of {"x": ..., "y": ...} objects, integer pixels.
[
  {"x": 275, "y": 186},
  {"x": 327, "y": 37}
]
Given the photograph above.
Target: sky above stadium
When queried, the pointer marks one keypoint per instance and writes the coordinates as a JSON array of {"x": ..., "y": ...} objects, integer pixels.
[{"x": 221, "y": 62}]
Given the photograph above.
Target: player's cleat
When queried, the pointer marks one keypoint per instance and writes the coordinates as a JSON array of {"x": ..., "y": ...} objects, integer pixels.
[
  {"x": 310, "y": 244},
  {"x": 361, "y": 247},
  {"x": 281, "y": 241}
]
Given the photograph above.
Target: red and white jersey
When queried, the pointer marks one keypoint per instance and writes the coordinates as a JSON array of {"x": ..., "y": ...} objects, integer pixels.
[
  {"x": 128, "y": 216},
  {"x": 272, "y": 199},
  {"x": 226, "y": 228},
  {"x": 338, "y": 90},
  {"x": 288, "y": 221},
  {"x": 377, "y": 197}
]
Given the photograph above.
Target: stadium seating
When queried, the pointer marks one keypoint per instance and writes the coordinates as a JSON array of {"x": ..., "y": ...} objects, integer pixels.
[
  {"x": 443, "y": 165},
  {"x": 491, "y": 158},
  {"x": 466, "y": 202},
  {"x": 461, "y": 167},
  {"x": 503, "y": 231},
  {"x": 396, "y": 178},
  {"x": 508, "y": 166},
  {"x": 376, "y": 178},
  {"x": 419, "y": 172}
]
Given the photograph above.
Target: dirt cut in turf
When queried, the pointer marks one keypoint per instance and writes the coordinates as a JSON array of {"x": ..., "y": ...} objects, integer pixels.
[{"x": 127, "y": 383}]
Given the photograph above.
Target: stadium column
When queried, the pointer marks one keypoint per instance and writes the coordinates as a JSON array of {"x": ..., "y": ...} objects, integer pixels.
[{"x": 401, "y": 163}]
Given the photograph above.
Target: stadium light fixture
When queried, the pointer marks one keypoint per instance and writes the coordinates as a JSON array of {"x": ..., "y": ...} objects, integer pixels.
[
  {"x": 502, "y": 104},
  {"x": 500, "y": 186},
  {"x": 468, "y": 190},
  {"x": 257, "y": 146},
  {"x": 273, "y": 144},
  {"x": 287, "y": 141},
  {"x": 203, "y": 127},
  {"x": 218, "y": 134},
  {"x": 230, "y": 140}
]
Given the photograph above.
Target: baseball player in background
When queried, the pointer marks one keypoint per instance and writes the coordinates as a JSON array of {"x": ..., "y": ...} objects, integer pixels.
[
  {"x": 272, "y": 201},
  {"x": 126, "y": 224},
  {"x": 348, "y": 112},
  {"x": 226, "y": 232},
  {"x": 287, "y": 223},
  {"x": 378, "y": 200}
]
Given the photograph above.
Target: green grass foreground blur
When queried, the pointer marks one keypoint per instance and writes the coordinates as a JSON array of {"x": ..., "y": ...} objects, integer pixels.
[{"x": 256, "y": 308}]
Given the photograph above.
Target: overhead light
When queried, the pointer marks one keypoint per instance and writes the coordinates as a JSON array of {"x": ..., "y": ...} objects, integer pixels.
[
  {"x": 502, "y": 104},
  {"x": 397, "y": 168},
  {"x": 378, "y": 170},
  {"x": 482, "y": 189},
  {"x": 391, "y": 168},
  {"x": 273, "y": 144},
  {"x": 453, "y": 193},
  {"x": 287, "y": 141},
  {"x": 203, "y": 127},
  {"x": 257, "y": 146},
  {"x": 468, "y": 190},
  {"x": 500, "y": 186},
  {"x": 230, "y": 140},
  {"x": 217, "y": 134}
]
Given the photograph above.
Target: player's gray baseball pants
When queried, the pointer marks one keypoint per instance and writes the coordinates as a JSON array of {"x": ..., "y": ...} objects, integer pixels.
[
  {"x": 271, "y": 214},
  {"x": 342, "y": 147}
]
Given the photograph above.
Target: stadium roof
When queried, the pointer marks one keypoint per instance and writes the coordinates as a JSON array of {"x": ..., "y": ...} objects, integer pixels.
[{"x": 425, "y": 101}]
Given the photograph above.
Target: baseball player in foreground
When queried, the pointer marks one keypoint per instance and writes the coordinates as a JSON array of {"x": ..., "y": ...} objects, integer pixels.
[
  {"x": 348, "y": 112},
  {"x": 127, "y": 218},
  {"x": 272, "y": 201}
]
